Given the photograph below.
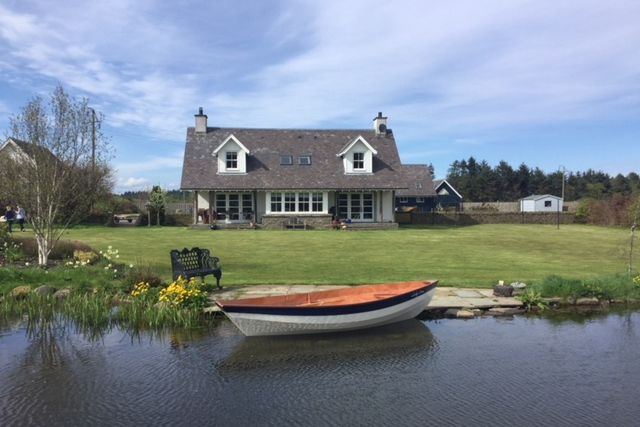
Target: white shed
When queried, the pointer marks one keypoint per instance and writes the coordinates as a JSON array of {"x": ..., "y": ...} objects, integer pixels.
[{"x": 541, "y": 203}]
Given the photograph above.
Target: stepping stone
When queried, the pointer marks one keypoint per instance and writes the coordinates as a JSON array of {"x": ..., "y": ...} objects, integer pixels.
[{"x": 465, "y": 293}]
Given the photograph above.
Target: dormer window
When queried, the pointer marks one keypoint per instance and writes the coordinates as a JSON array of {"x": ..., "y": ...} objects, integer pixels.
[
  {"x": 231, "y": 156},
  {"x": 232, "y": 160},
  {"x": 358, "y": 161},
  {"x": 357, "y": 156}
]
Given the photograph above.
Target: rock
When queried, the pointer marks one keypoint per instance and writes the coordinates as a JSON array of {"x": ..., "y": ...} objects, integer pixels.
[
  {"x": 465, "y": 314},
  {"x": 20, "y": 292},
  {"x": 518, "y": 285},
  {"x": 45, "y": 290},
  {"x": 505, "y": 311},
  {"x": 502, "y": 291},
  {"x": 62, "y": 293},
  {"x": 587, "y": 301},
  {"x": 451, "y": 313}
]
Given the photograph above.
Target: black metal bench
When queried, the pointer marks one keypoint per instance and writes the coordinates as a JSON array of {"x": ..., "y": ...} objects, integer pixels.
[{"x": 195, "y": 262}]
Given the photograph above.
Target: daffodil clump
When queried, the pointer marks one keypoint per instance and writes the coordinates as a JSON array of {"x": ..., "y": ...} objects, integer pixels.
[
  {"x": 140, "y": 290},
  {"x": 112, "y": 256},
  {"x": 85, "y": 257},
  {"x": 184, "y": 293},
  {"x": 636, "y": 280}
]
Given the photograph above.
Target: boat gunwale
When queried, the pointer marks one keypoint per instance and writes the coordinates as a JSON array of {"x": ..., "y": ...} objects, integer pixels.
[{"x": 246, "y": 303}]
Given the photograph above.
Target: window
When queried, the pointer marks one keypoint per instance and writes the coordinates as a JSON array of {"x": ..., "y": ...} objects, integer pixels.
[
  {"x": 234, "y": 206},
  {"x": 303, "y": 202},
  {"x": 547, "y": 203},
  {"x": 232, "y": 160},
  {"x": 289, "y": 202},
  {"x": 316, "y": 202},
  {"x": 276, "y": 202},
  {"x": 404, "y": 200},
  {"x": 292, "y": 202},
  {"x": 419, "y": 199},
  {"x": 304, "y": 160},
  {"x": 286, "y": 160},
  {"x": 358, "y": 161}
]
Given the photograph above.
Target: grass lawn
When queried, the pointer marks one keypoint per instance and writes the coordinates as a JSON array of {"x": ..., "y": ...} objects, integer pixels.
[{"x": 457, "y": 256}]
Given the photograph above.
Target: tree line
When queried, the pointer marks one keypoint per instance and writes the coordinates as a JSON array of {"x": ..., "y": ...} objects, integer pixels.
[{"x": 477, "y": 181}]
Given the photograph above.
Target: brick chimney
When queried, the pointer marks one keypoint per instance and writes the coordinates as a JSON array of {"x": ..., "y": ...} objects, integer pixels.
[{"x": 201, "y": 122}]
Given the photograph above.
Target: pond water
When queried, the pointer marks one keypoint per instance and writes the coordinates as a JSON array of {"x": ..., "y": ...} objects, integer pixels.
[{"x": 563, "y": 370}]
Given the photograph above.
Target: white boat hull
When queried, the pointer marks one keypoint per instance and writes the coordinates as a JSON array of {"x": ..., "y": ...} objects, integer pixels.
[{"x": 254, "y": 324}]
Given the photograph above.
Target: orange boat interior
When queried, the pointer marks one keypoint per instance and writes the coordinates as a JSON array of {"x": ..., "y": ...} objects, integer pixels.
[{"x": 334, "y": 297}]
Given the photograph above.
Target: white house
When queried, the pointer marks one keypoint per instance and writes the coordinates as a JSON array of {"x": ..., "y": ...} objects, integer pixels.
[{"x": 541, "y": 203}]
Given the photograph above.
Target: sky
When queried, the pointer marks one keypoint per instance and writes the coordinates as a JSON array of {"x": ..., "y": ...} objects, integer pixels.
[{"x": 547, "y": 83}]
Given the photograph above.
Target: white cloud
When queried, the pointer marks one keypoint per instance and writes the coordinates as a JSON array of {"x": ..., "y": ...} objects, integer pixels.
[{"x": 136, "y": 183}]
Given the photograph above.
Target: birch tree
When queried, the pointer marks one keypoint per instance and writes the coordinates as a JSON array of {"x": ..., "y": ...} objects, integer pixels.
[{"x": 60, "y": 167}]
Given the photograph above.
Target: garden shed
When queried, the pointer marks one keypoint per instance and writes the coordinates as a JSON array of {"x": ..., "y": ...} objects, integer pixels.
[{"x": 541, "y": 203}]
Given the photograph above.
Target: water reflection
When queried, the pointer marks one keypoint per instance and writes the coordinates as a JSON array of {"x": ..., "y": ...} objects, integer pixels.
[{"x": 364, "y": 346}]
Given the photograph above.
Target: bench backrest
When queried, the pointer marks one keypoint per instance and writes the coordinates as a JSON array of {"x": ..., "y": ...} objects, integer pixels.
[{"x": 189, "y": 259}]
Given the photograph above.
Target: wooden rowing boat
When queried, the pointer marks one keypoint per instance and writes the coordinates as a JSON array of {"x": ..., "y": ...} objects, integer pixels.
[{"x": 330, "y": 311}]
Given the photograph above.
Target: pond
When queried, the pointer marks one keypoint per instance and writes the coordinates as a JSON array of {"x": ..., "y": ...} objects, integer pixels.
[{"x": 554, "y": 370}]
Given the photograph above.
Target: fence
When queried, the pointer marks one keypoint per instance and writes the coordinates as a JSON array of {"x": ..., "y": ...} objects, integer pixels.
[
  {"x": 508, "y": 206},
  {"x": 473, "y": 218}
]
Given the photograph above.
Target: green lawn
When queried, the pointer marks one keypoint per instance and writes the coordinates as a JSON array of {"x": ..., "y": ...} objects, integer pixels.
[{"x": 459, "y": 256}]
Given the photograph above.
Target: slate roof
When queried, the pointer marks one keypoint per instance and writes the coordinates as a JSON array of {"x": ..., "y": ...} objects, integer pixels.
[
  {"x": 418, "y": 181},
  {"x": 28, "y": 148},
  {"x": 265, "y": 172}
]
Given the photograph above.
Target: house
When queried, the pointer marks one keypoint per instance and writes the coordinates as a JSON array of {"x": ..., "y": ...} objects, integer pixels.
[
  {"x": 424, "y": 194},
  {"x": 271, "y": 176},
  {"x": 541, "y": 203},
  {"x": 447, "y": 197}
]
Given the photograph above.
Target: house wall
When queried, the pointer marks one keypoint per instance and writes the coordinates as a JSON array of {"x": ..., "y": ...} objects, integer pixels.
[
  {"x": 203, "y": 200},
  {"x": 538, "y": 205},
  {"x": 387, "y": 206}
]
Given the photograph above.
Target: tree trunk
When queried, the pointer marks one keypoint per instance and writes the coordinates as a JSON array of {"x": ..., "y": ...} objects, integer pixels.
[
  {"x": 43, "y": 250},
  {"x": 158, "y": 217}
]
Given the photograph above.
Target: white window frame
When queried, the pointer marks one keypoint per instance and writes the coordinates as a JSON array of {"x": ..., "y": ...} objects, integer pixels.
[
  {"x": 419, "y": 199},
  {"x": 403, "y": 200},
  {"x": 306, "y": 162},
  {"x": 358, "y": 164},
  {"x": 316, "y": 201},
  {"x": 229, "y": 159}
]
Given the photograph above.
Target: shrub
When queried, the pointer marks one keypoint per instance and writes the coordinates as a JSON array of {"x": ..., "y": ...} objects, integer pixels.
[
  {"x": 532, "y": 299},
  {"x": 144, "y": 274},
  {"x": 62, "y": 250}
]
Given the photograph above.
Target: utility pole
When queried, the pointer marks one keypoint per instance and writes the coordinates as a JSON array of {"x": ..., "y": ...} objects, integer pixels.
[
  {"x": 562, "y": 171},
  {"x": 93, "y": 140}
]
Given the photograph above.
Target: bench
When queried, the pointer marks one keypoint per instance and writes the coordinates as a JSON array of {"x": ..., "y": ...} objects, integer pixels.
[
  {"x": 195, "y": 262},
  {"x": 294, "y": 222}
]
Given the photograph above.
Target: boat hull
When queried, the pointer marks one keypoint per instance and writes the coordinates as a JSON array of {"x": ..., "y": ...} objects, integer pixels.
[{"x": 288, "y": 323}]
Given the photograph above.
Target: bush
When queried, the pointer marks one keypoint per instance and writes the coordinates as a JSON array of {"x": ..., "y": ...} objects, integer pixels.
[
  {"x": 62, "y": 250},
  {"x": 142, "y": 274},
  {"x": 85, "y": 257}
]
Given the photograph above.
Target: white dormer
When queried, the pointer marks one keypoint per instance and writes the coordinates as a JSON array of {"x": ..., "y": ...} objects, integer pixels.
[
  {"x": 232, "y": 156},
  {"x": 357, "y": 156}
]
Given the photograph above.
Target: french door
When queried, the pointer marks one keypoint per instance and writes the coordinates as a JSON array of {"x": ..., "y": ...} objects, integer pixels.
[{"x": 355, "y": 206}]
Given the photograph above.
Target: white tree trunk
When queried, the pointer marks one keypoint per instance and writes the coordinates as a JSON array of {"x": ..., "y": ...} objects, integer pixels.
[{"x": 43, "y": 250}]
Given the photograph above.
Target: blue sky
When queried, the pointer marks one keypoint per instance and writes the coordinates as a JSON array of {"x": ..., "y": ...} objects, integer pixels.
[{"x": 542, "y": 82}]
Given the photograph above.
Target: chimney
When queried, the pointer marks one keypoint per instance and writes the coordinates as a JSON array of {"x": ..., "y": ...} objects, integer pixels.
[
  {"x": 201, "y": 122},
  {"x": 380, "y": 124}
]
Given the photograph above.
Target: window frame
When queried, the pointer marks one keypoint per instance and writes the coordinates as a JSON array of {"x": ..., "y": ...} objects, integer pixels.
[
  {"x": 358, "y": 163},
  {"x": 307, "y": 161},
  {"x": 288, "y": 161},
  {"x": 230, "y": 160}
]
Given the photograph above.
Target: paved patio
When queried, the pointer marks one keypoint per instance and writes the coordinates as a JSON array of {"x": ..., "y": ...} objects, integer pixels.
[{"x": 444, "y": 298}]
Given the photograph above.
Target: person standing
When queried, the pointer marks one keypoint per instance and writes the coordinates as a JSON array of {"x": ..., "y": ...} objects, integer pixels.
[
  {"x": 10, "y": 216},
  {"x": 21, "y": 216}
]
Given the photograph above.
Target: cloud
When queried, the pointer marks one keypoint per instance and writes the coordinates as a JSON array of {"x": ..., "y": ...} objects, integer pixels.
[{"x": 135, "y": 183}]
